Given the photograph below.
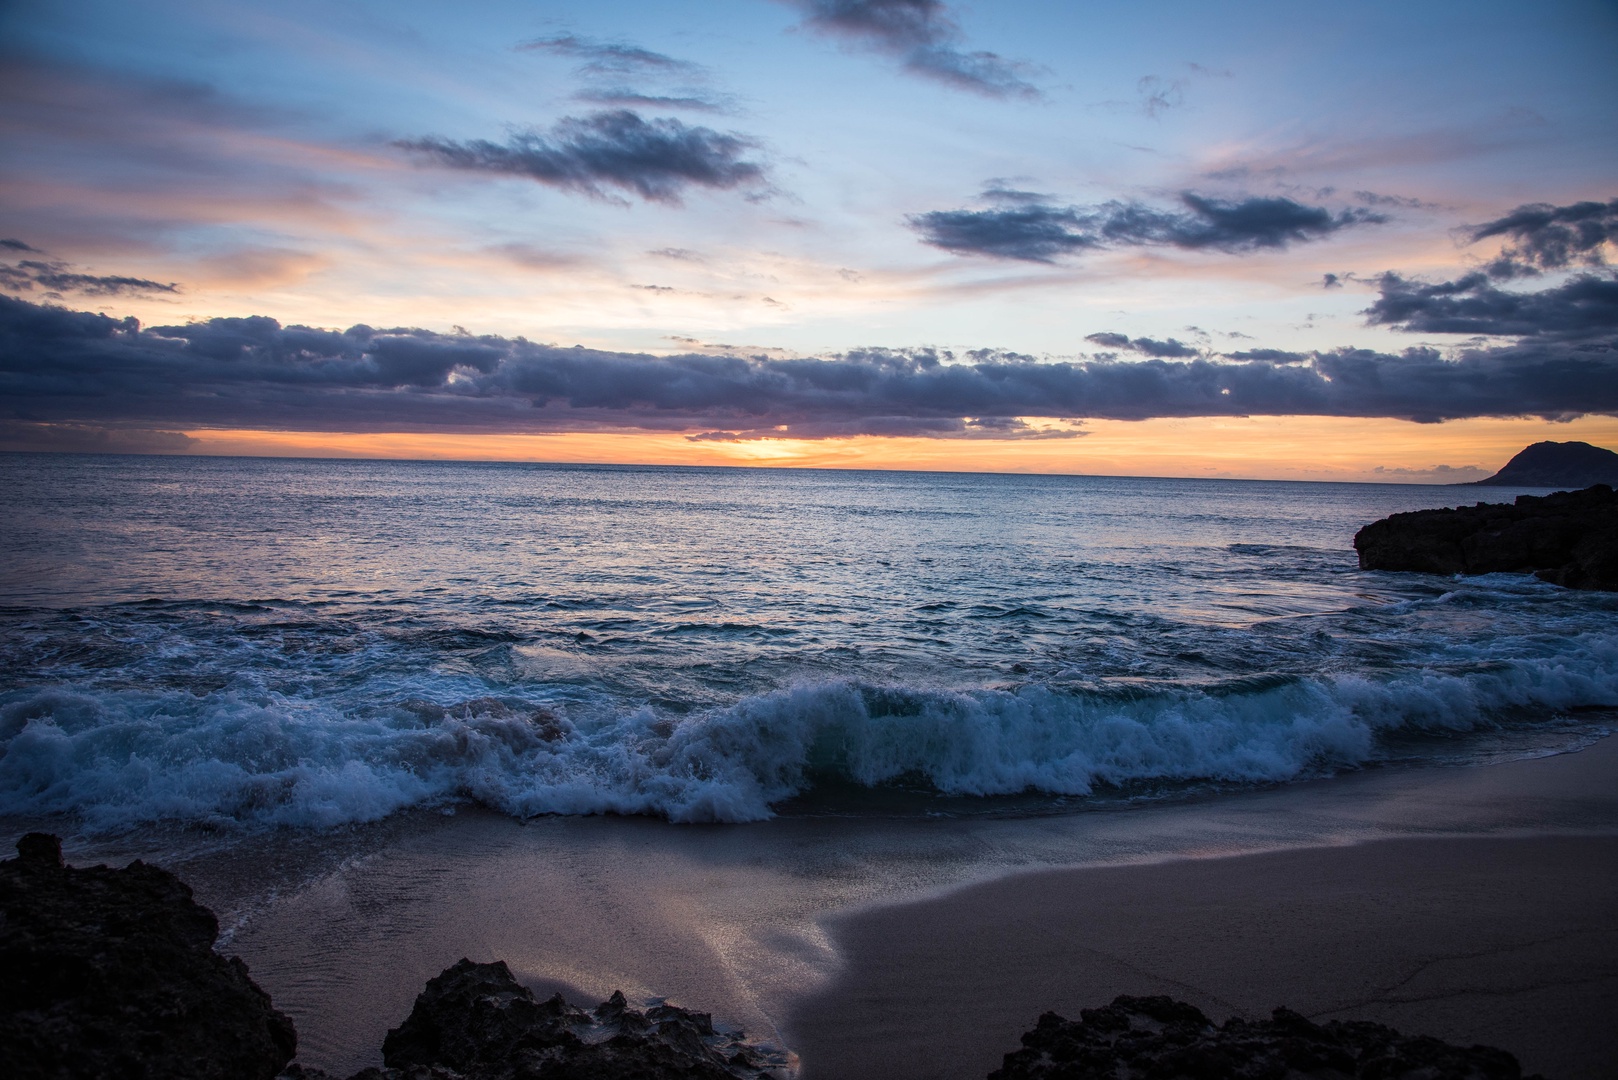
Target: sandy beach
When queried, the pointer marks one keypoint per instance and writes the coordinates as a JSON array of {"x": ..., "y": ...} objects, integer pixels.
[
  {"x": 1478, "y": 904},
  {"x": 1510, "y": 942}
]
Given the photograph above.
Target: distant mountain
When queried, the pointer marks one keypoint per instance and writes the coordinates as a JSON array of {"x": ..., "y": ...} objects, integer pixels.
[{"x": 1566, "y": 465}]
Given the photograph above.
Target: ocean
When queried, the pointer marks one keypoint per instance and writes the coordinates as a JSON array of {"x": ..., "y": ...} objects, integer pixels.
[{"x": 242, "y": 645}]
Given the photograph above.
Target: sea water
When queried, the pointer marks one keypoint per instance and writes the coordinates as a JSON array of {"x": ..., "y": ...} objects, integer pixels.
[{"x": 250, "y": 644}]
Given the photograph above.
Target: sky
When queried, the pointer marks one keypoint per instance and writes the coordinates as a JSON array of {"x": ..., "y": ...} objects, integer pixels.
[{"x": 1360, "y": 241}]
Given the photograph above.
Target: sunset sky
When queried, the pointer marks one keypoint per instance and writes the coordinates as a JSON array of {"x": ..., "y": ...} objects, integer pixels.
[{"x": 1357, "y": 241}]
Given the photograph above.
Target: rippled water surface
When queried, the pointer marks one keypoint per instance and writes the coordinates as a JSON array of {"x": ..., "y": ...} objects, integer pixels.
[{"x": 310, "y": 643}]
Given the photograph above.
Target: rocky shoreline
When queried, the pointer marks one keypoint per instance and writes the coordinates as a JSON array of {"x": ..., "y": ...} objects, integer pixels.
[
  {"x": 1569, "y": 539},
  {"x": 112, "y": 973}
]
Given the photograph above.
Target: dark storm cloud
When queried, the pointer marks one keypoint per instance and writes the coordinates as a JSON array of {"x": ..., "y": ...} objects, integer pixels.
[
  {"x": 55, "y": 278},
  {"x": 1584, "y": 307},
  {"x": 657, "y": 159},
  {"x": 925, "y": 39},
  {"x": 71, "y": 367},
  {"x": 1023, "y": 226},
  {"x": 18, "y": 245},
  {"x": 1546, "y": 237},
  {"x": 609, "y": 58},
  {"x": 1169, "y": 349}
]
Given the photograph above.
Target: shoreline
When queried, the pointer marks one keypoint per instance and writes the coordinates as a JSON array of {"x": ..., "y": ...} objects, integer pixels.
[{"x": 767, "y": 925}]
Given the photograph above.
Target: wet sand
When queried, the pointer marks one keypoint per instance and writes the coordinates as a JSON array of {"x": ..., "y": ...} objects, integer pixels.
[
  {"x": 1477, "y": 904},
  {"x": 1511, "y": 942}
]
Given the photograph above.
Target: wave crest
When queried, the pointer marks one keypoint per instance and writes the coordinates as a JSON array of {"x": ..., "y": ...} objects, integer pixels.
[{"x": 122, "y": 758}]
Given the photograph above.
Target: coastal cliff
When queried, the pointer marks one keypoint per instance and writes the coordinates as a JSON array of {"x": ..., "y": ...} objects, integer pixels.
[{"x": 1569, "y": 538}]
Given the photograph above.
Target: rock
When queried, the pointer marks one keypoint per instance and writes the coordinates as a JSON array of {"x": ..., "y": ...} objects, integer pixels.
[
  {"x": 476, "y": 1022},
  {"x": 1557, "y": 465},
  {"x": 111, "y": 974},
  {"x": 1569, "y": 538},
  {"x": 1136, "y": 1038}
]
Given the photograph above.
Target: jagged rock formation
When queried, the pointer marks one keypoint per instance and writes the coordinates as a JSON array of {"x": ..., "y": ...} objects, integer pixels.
[
  {"x": 1148, "y": 1038},
  {"x": 477, "y": 1022},
  {"x": 112, "y": 974},
  {"x": 1570, "y": 538},
  {"x": 1563, "y": 465}
]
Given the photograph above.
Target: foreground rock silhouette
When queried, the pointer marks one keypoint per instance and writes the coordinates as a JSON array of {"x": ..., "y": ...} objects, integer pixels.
[
  {"x": 111, "y": 973},
  {"x": 1569, "y": 538},
  {"x": 1158, "y": 1038},
  {"x": 477, "y": 1022}
]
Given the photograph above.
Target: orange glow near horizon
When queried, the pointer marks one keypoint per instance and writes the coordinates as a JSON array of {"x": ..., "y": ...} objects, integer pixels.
[{"x": 1275, "y": 447}]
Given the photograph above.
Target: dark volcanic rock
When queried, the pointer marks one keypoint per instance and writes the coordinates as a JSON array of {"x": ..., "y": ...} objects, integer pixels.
[
  {"x": 112, "y": 974},
  {"x": 477, "y": 1022},
  {"x": 1558, "y": 465},
  {"x": 1570, "y": 538},
  {"x": 1158, "y": 1038}
]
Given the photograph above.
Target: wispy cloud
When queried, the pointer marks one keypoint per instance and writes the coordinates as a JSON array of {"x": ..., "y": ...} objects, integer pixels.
[
  {"x": 609, "y": 58},
  {"x": 1022, "y": 225},
  {"x": 924, "y": 37},
  {"x": 656, "y": 159},
  {"x": 54, "y": 277},
  {"x": 626, "y": 98}
]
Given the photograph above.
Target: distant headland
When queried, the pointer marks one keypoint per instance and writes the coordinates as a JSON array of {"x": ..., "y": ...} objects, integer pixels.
[{"x": 1567, "y": 465}]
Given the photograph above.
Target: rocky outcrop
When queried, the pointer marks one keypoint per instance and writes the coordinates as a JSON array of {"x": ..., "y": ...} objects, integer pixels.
[
  {"x": 1570, "y": 538},
  {"x": 1557, "y": 465},
  {"x": 1137, "y": 1038},
  {"x": 477, "y": 1022},
  {"x": 112, "y": 974}
]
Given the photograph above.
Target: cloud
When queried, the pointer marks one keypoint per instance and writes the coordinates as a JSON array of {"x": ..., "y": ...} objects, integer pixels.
[
  {"x": 924, "y": 37},
  {"x": 1546, "y": 237},
  {"x": 60, "y": 366},
  {"x": 1269, "y": 356},
  {"x": 657, "y": 159},
  {"x": 105, "y": 160},
  {"x": 609, "y": 58},
  {"x": 625, "y": 98},
  {"x": 1022, "y": 225},
  {"x": 1033, "y": 232},
  {"x": 86, "y": 439},
  {"x": 1158, "y": 95},
  {"x": 997, "y": 428},
  {"x": 1583, "y": 307},
  {"x": 1169, "y": 349},
  {"x": 55, "y": 278},
  {"x": 1441, "y": 474}
]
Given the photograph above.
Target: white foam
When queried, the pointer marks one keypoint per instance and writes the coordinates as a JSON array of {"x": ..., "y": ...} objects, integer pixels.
[{"x": 119, "y": 758}]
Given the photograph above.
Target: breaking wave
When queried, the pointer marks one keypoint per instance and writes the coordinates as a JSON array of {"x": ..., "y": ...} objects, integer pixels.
[{"x": 119, "y": 758}]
